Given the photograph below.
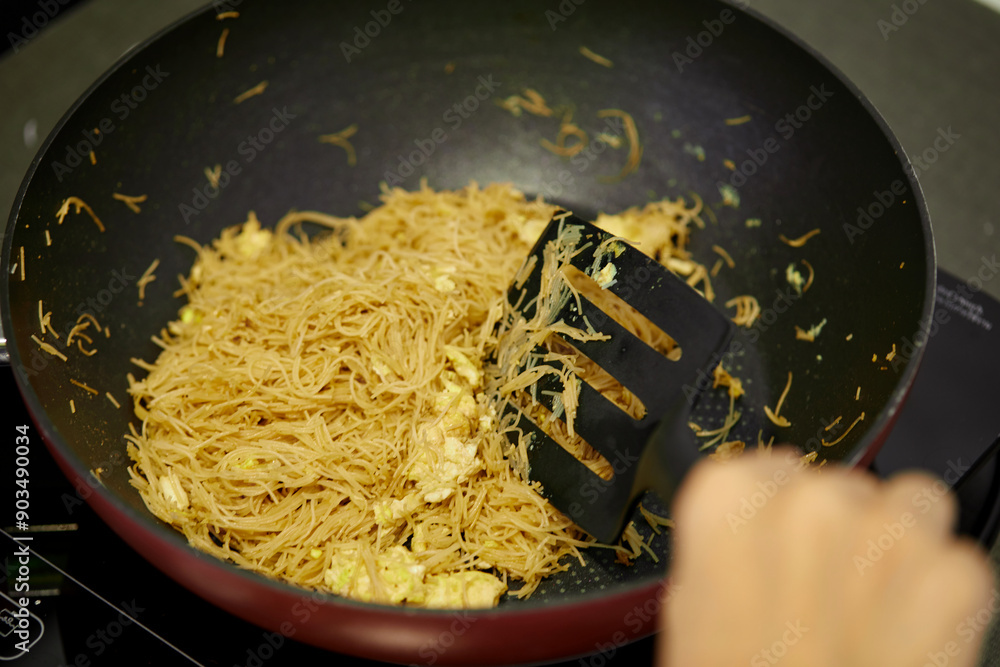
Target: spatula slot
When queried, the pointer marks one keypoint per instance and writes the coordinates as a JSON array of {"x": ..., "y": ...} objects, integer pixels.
[
  {"x": 603, "y": 382},
  {"x": 620, "y": 311},
  {"x": 555, "y": 427}
]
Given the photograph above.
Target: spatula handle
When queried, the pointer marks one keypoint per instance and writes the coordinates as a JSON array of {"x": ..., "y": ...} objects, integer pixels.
[{"x": 671, "y": 452}]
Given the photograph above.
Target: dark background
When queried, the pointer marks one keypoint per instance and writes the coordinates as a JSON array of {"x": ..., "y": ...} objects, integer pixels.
[{"x": 22, "y": 19}]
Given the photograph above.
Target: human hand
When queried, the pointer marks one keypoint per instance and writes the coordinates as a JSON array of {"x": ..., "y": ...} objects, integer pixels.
[{"x": 778, "y": 564}]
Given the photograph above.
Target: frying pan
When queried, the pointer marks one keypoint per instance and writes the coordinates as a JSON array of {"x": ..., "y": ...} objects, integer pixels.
[{"x": 705, "y": 82}]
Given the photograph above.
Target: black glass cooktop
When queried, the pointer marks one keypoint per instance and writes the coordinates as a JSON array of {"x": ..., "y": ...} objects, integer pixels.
[{"x": 96, "y": 602}]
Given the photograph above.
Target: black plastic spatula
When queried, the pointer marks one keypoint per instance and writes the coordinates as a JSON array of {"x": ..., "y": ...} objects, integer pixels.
[{"x": 653, "y": 452}]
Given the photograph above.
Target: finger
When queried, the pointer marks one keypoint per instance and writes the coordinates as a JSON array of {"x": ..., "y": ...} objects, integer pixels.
[
  {"x": 978, "y": 600},
  {"x": 714, "y": 492},
  {"x": 715, "y": 513},
  {"x": 926, "y": 498},
  {"x": 956, "y": 588},
  {"x": 858, "y": 488}
]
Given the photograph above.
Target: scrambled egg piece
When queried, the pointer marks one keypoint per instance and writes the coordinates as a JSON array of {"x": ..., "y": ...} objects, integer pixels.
[
  {"x": 529, "y": 230},
  {"x": 459, "y": 412},
  {"x": 438, "y": 474},
  {"x": 463, "y": 590},
  {"x": 463, "y": 365},
  {"x": 449, "y": 456},
  {"x": 384, "y": 513},
  {"x": 624, "y": 225},
  {"x": 252, "y": 239},
  {"x": 403, "y": 579},
  {"x": 388, "y": 512},
  {"x": 172, "y": 490},
  {"x": 655, "y": 238},
  {"x": 606, "y": 276},
  {"x": 441, "y": 276},
  {"x": 400, "y": 575}
]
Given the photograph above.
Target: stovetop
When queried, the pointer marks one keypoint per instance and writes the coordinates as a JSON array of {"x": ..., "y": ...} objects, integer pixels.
[{"x": 96, "y": 602}]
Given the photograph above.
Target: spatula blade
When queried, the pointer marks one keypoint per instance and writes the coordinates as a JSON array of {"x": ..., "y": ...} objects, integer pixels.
[{"x": 666, "y": 387}]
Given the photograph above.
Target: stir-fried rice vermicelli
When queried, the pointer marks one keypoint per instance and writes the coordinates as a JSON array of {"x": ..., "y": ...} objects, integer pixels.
[{"x": 321, "y": 411}]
